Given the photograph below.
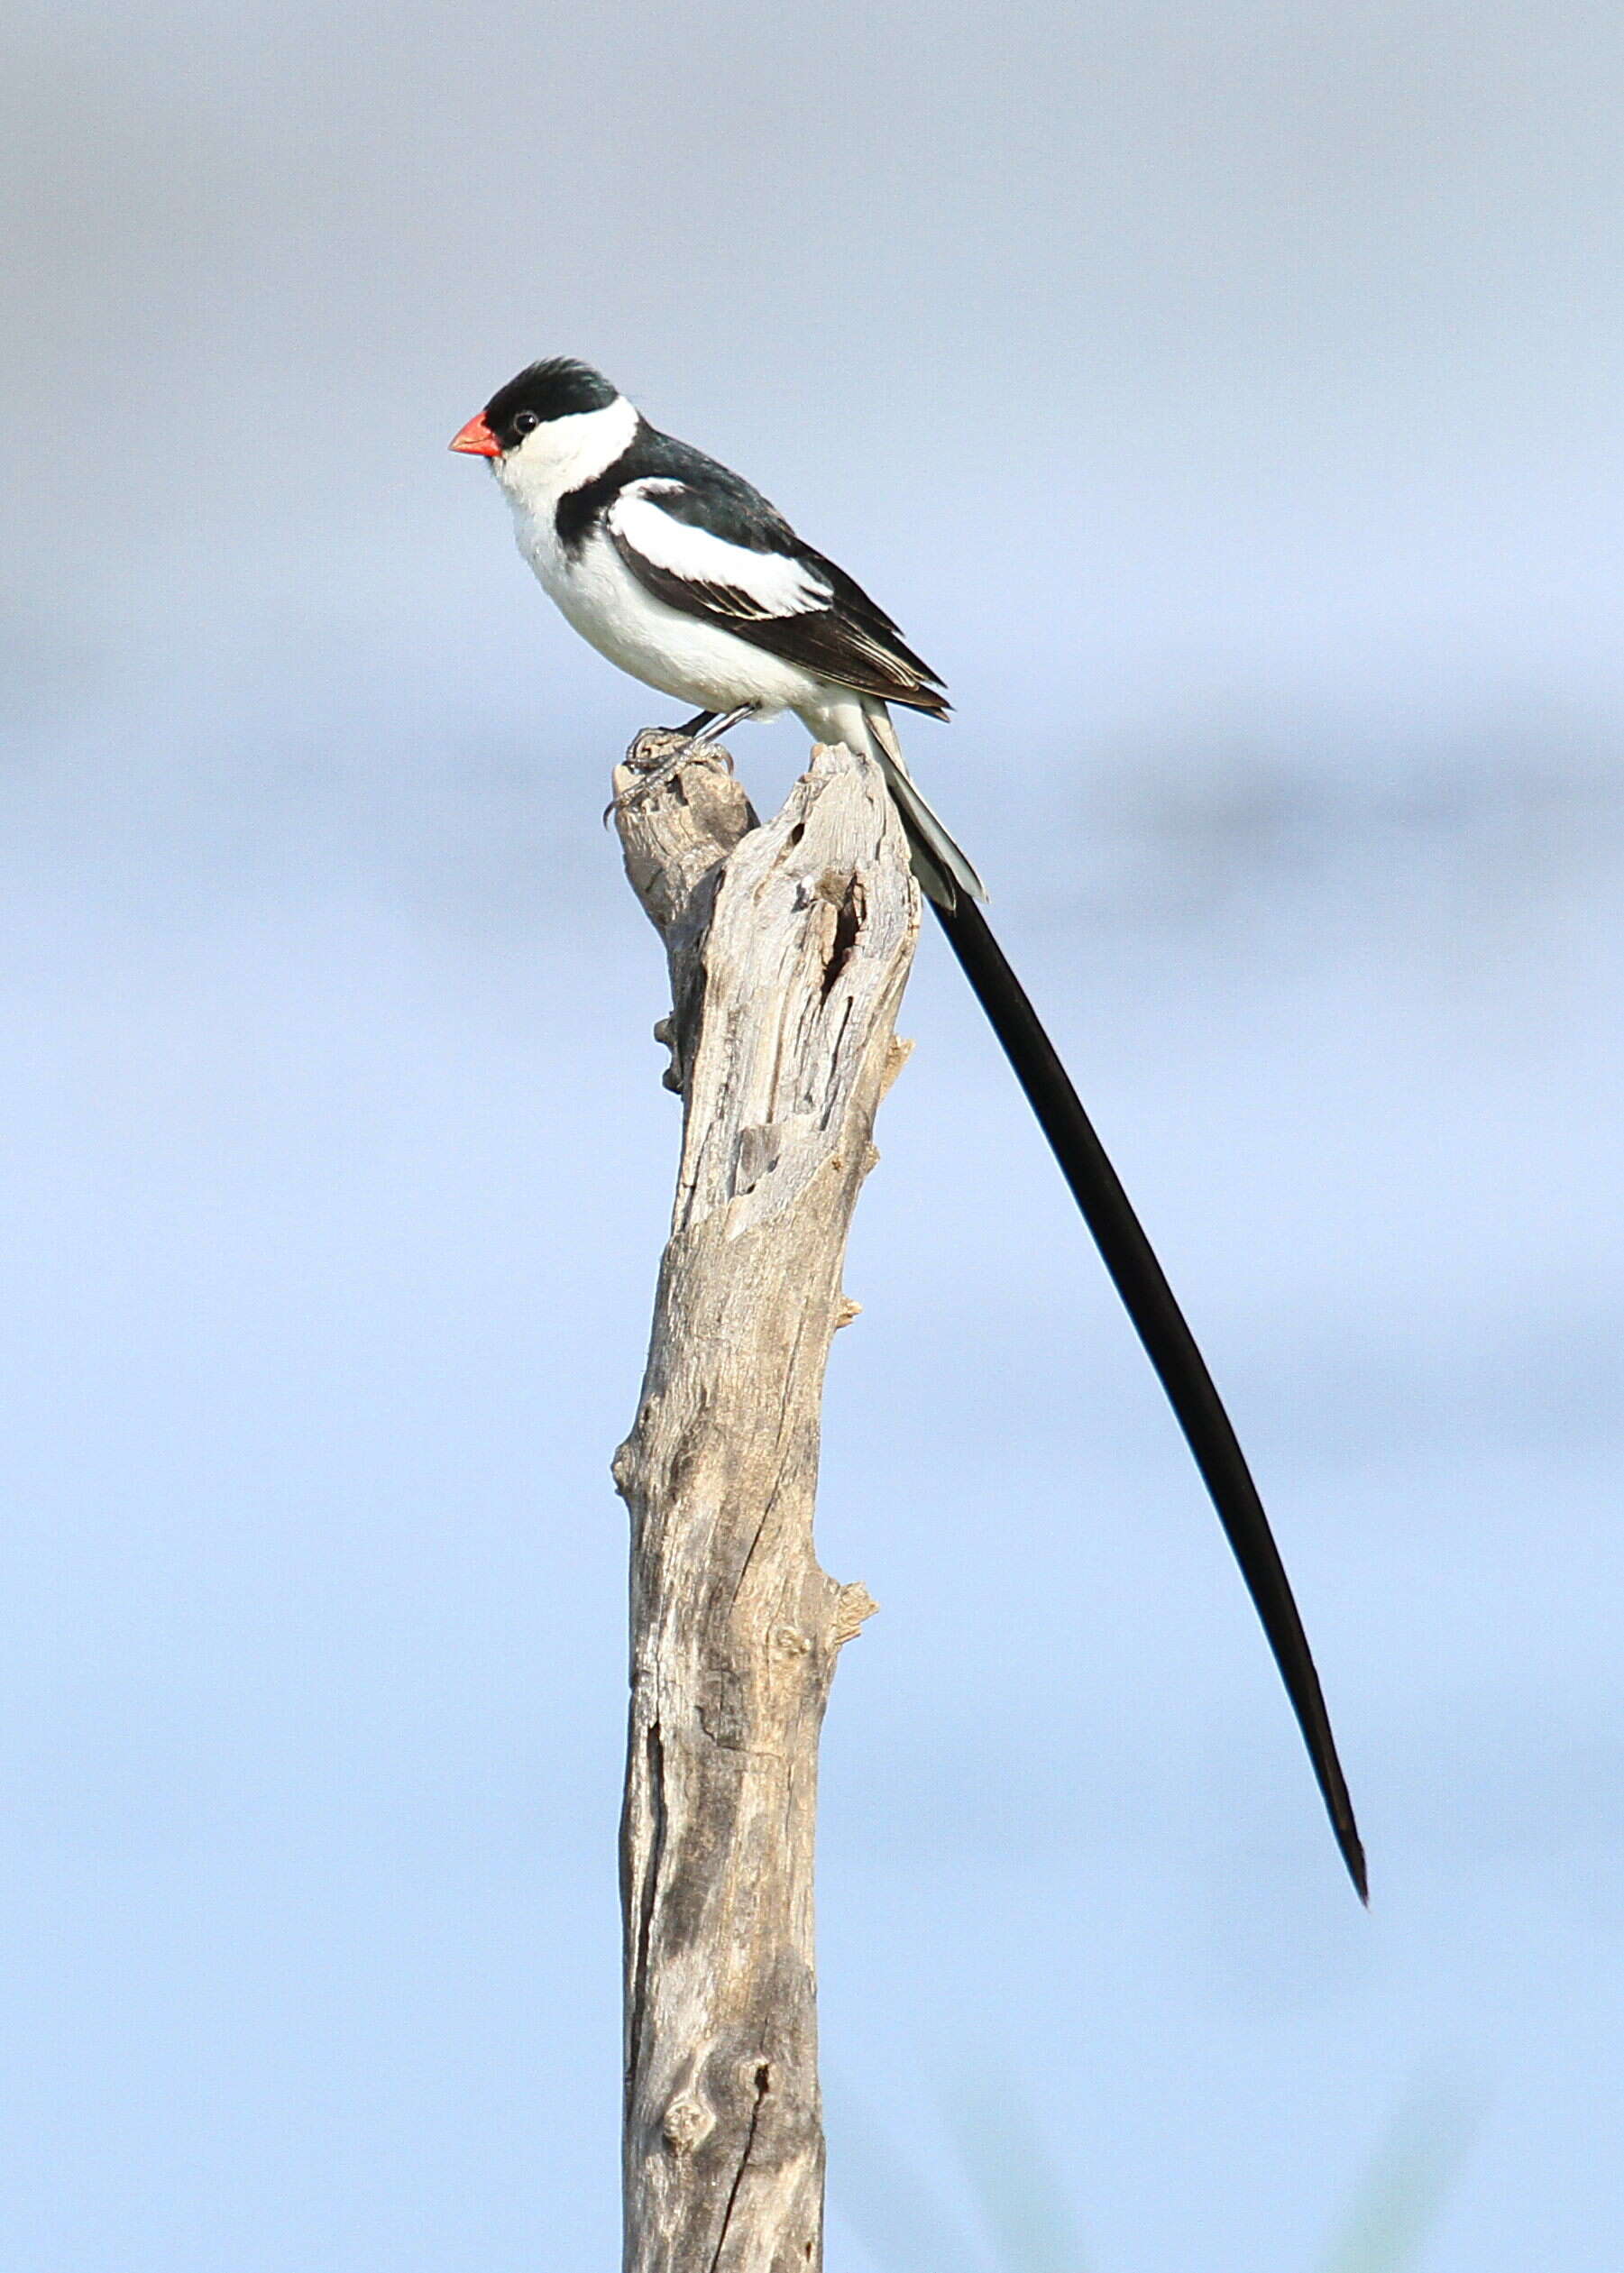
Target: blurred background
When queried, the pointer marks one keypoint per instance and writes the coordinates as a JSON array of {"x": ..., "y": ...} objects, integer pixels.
[{"x": 1227, "y": 401}]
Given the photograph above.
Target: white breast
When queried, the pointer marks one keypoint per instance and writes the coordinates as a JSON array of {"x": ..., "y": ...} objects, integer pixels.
[{"x": 696, "y": 662}]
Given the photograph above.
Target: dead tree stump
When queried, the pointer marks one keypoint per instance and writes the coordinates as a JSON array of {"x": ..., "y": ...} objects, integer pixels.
[{"x": 789, "y": 945}]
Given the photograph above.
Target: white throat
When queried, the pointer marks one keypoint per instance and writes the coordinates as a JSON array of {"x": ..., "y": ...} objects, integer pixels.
[{"x": 562, "y": 453}]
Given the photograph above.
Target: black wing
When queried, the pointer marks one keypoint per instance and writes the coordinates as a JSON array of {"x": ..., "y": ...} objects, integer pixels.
[{"x": 718, "y": 551}]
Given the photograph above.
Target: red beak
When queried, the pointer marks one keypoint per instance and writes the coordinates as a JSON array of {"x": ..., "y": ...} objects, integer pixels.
[{"x": 477, "y": 439}]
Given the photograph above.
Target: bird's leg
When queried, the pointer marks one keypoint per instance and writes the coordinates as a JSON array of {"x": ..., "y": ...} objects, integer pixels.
[
  {"x": 710, "y": 725},
  {"x": 702, "y": 730}
]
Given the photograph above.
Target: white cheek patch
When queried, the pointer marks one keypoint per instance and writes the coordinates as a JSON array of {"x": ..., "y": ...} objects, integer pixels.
[
  {"x": 772, "y": 584},
  {"x": 561, "y": 453}
]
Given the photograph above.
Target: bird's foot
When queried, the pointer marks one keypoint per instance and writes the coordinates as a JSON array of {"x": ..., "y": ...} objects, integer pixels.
[
  {"x": 700, "y": 735},
  {"x": 656, "y": 778}
]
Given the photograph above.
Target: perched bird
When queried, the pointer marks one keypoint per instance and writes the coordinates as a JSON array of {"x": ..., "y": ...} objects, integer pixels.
[{"x": 677, "y": 570}]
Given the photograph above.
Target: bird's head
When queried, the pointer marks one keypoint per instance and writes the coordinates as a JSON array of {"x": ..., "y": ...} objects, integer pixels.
[{"x": 557, "y": 424}]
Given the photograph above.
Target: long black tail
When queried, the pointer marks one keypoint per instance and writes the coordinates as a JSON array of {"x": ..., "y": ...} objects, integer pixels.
[{"x": 1168, "y": 1340}]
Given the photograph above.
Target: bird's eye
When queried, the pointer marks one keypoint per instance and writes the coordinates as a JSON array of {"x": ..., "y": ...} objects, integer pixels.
[{"x": 525, "y": 421}]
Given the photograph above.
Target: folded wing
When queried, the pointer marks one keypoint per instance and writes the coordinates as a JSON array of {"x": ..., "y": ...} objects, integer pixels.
[{"x": 746, "y": 572}]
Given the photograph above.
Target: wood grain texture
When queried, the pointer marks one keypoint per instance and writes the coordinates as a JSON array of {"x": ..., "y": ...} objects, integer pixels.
[{"x": 789, "y": 945}]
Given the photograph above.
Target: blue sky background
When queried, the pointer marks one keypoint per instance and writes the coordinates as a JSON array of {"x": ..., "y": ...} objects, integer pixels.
[{"x": 1227, "y": 400}]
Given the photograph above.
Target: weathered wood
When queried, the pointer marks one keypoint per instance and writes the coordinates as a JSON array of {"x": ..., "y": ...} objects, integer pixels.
[{"x": 789, "y": 946}]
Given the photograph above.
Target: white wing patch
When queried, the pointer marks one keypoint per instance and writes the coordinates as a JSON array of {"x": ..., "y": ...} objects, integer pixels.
[{"x": 760, "y": 584}]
